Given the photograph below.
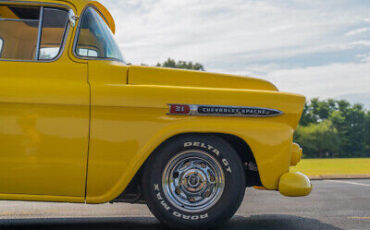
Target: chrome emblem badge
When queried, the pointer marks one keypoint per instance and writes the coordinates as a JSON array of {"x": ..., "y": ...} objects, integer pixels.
[{"x": 220, "y": 110}]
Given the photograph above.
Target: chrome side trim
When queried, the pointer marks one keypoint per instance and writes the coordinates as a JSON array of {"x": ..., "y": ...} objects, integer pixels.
[{"x": 226, "y": 111}]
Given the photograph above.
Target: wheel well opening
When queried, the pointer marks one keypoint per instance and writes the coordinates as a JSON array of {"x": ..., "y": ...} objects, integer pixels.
[
  {"x": 246, "y": 155},
  {"x": 132, "y": 193}
]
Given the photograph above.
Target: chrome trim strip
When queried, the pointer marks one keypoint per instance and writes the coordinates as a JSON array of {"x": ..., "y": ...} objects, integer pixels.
[
  {"x": 2, "y": 45},
  {"x": 227, "y": 111},
  {"x": 39, "y": 33}
]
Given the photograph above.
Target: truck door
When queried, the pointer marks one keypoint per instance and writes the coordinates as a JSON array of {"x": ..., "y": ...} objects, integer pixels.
[
  {"x": 44, "y": 106},
  {"x": 107, "y": 74}
]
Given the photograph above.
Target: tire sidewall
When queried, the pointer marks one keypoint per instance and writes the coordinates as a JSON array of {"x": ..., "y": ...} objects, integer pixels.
[{"x": 233, "y": 189}]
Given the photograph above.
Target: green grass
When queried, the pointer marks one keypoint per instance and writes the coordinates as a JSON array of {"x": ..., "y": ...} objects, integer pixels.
[{"x": 316, "y": 167}]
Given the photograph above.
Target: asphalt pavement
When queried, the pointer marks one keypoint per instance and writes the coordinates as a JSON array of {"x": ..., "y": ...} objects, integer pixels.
[{"x": 333, "y": 204}]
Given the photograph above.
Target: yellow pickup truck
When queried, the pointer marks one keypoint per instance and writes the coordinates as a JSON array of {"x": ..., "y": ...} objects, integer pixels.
[{"x": 77, "y": 124}]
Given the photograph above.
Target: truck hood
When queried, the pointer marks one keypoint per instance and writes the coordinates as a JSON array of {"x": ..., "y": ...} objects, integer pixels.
[{"x": 141, "y": 75}]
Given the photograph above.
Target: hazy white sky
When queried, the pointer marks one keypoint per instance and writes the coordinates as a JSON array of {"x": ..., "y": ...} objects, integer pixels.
[{"x": 320, "y": 48}]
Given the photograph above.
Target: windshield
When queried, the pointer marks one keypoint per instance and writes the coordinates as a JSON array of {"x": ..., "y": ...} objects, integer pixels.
[{"x": 96, "y": 37}]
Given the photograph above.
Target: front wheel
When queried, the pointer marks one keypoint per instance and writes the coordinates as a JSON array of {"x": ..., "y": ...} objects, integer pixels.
[{"x": 194, "y": 181}]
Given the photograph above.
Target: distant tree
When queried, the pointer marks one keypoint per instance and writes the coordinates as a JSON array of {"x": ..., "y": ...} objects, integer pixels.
[
  {"x": 354, "y": 131},
  {"x": 171, "y": 63},
  {"x": 308, "y": 116},
  {"x": 367, "y": 134},
  {"x": 318, "y": 140},
  {"x": 350, "y": 123}
]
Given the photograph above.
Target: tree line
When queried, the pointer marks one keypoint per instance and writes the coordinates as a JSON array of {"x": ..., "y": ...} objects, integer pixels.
[
  {"x": 334, "y": 128},
  {"x": 171, "y": 63},
  {"x": 328, "y": 128}
]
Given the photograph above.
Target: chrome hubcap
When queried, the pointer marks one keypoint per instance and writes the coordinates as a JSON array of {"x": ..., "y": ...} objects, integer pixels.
[{"x": 193, "y": 181}]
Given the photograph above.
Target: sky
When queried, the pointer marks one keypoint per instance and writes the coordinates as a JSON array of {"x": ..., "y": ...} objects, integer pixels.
[{"x": 312, "y": 47}]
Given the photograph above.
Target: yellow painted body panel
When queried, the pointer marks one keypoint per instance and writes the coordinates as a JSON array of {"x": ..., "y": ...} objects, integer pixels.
[
  {"x": 129, "y": 121},
  {"x": 44, "y": 127},
  {"x": 162, "y": 76},
  {"x": 75, "y": 130}
]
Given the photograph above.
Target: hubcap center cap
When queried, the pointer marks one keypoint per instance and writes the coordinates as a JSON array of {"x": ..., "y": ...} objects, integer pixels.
[{"x": 193, "y": 180}]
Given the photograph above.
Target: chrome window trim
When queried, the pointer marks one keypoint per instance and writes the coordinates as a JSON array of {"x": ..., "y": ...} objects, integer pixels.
[
  {"x": 77, "y": 34},
  {"x": 42, "y": 4},
  {"x": 39, "y": 33},
  {"x": 2, "y": 45}
]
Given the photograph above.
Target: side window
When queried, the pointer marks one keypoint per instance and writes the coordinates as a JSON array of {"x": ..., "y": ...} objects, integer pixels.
[
  {"x": 31, "y": 33},
  {"x": 19, "y": 31},
  {"x": 54, "y": 25},
  {"x": 95, "y": 39}
]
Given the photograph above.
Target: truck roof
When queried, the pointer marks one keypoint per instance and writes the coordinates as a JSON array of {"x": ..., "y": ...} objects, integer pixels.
[{"x": 78, "y": 3}]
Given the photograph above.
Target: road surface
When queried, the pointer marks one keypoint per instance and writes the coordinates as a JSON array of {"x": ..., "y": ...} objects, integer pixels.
[{"x": 333, "y": 204}]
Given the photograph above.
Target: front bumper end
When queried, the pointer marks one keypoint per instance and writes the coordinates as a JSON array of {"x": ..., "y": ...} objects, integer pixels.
[
  {"x": 296, "y": 154},
  {"x": 294, "y": 184}
]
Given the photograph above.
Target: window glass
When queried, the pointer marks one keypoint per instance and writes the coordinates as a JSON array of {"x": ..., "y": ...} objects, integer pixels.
[
  {"x": 95, "y": 38},
  {"x": 20, "y": 12},
  {"x": 53, "y": 27},
  {"x": 47, "y": 53},
  {"x": 19, "y": 31},
  {"x": 87, "y": 52}
]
